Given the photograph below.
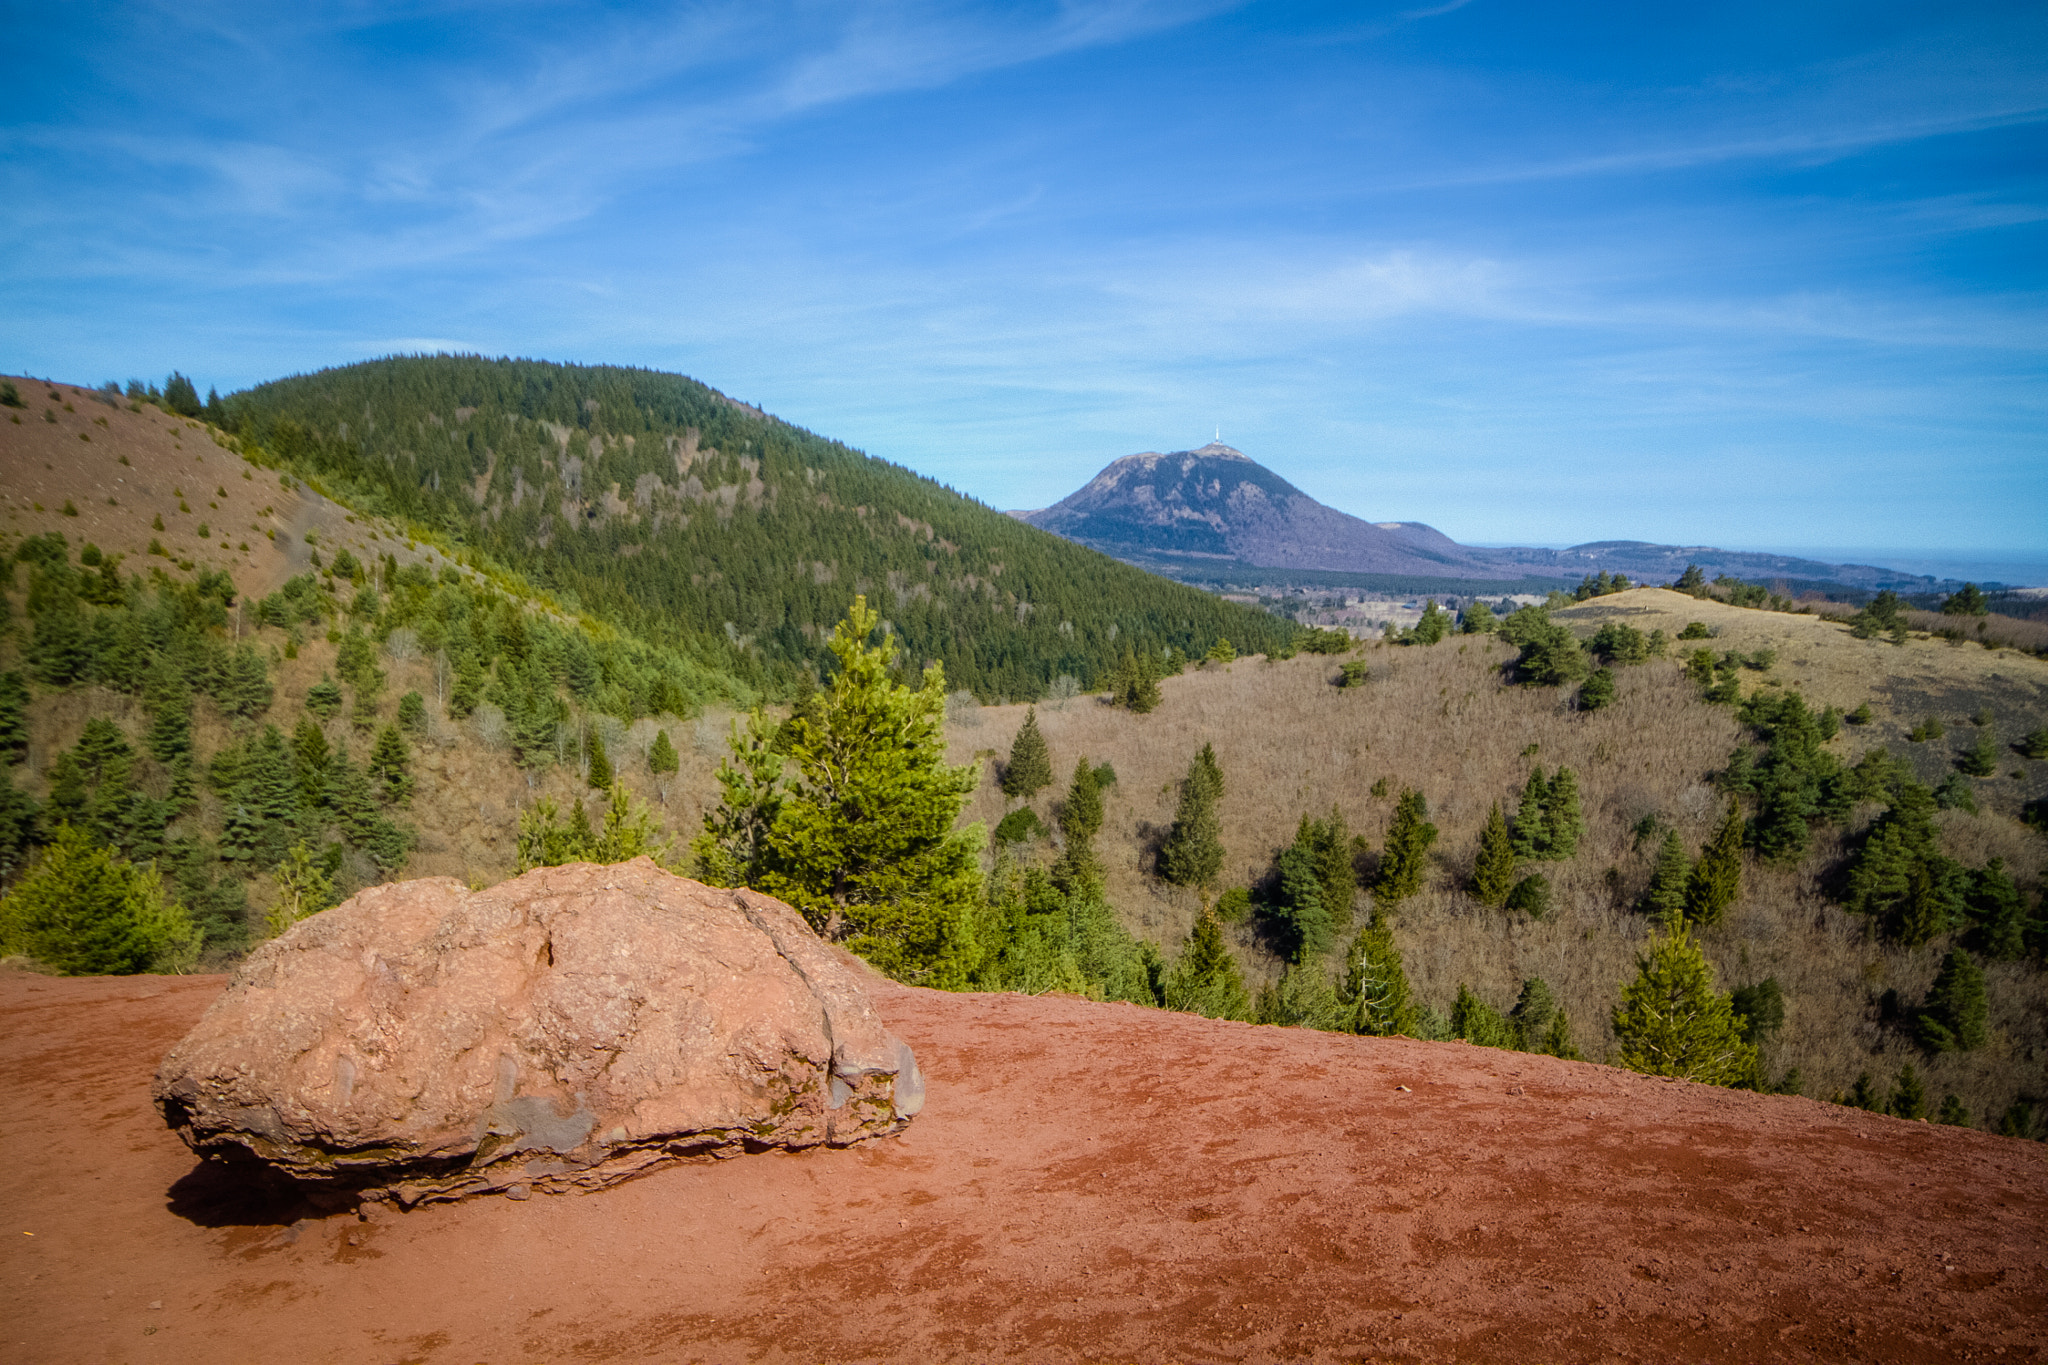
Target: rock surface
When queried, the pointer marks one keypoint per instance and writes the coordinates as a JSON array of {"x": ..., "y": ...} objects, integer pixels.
[{"x": 569, "y": 1028}]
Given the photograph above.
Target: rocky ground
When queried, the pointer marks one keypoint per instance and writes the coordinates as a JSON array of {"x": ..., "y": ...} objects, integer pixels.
[{"x": 1087, "y": 1183}]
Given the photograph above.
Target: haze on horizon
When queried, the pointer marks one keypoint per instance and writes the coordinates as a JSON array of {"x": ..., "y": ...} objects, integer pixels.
[{"x": 1761, "y": 277}]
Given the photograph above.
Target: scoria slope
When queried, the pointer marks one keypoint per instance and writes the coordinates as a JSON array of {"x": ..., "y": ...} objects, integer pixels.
[{"x": 1087, "y": 1182}]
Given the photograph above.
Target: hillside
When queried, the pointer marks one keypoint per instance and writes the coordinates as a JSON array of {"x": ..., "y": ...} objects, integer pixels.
[
  {"x": 669, "y": 511},
  {"x": 398, "y": 702},
  {"x": 1216, "y": 516},
  {"x": 1087, "y": 1182},
  {"x": 1446, "y": 720}
]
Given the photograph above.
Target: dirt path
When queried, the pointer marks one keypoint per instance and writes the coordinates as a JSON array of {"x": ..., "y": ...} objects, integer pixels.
[{"x": 1088, "y": 1183}]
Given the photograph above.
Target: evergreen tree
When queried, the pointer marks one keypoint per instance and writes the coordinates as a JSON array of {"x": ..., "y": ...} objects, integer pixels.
[
  {"x": 1303, "y": 997},
  {"x": 1493, "y": 872},
  {"x": 1969, "y": 600},
  {"x": 1909, "y": 1096},
  {"x": 1954, "y": 1017},
  {"x": 1863, "y": 1095},
  {"x": 245, "y": 690},
  {"x": 864, "y": 843},
  {"x": 391, "y": 766},
  {"x": 1433, "y": 627},
  {"x": 412, "y": 713},
  {"x": 661, "y": 756},
  {"x": 1561, "y": 813},
  {"x": 20, "y": 825},
  {"x": 1952, "y": 1113},
  {"x": 1134, "y": 685},
  {"x": 1981, "y": 758},
  {"x": 1666, "y": 897},
  {"x": 1406, "y": 857},
  {"x": 733, "y": 849},
  {"x": 1531, "y": 896},
  {"x": 1478, "y": 619},
  {"x": 1478, "y": 1022},
  {"x": 13, "y": 717},
  {"x": 1298, "y": 904},
  {"x": 1557, "y": 1040},
  {"x": 83, "y": 911},
  {"x": 626, "y": 832},
  {"x": 1759, "y": 1010},
  {"x": 1375, "y": 986},
  {"x": 1205, "y": 979},
  {"x": 303, "y": 889},
  {"x": 1192, "y": 854},
  {"x": 1672, "y": 1022},
  {"x": 600, "y": 775},
  {"x": 324, "y": 699},
  {"x": 1531, "y": 1016},
  {"x": 1080, "y": 818},
  {"x": 1716, "y": 878},
  {"x": 1597, "y": 691},
  {"x": 1532, "y": 825},
  {"x": 1030, "y": 767}
]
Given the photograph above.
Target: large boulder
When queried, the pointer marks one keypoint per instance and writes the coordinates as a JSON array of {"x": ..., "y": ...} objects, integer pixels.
[{"x": 567, "y": 1029}]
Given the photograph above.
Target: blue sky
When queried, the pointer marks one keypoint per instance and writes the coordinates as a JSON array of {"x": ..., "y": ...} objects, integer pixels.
[{"x": 1766, "y": 275}]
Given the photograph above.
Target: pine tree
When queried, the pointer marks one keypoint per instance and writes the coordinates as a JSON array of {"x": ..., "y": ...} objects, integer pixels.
[
  {"x": 1079, "y": 818},
  {"x": 13, "y": 717},
  {"x": 412, "y": 713},
  {"x": 1030, "y": 767},
  {"x": 864, "y": 843},
  {"x": 1717, "y": 877},
  {"x": 733, "y": 849},
  {"x": 1952, "y": 1113},
  {"x": 1956, "y": 1013},
  {"x": 1298, "y": 904},
  {"x": 1206, "y": 980},
  {"x": 1531, "y": 1016},
  {"x": 1564, "y": 820},
  {"x": 303, "y": 890},
  {"x": 1981, "y": 758},
  {"x": 1192, "y": 854},
  {"x": 1666, "y": 897},
  {"x": 1909, "y": 1096},
  {"x": 1557, "y": 1041},
  {"x": 1479, "y": 1023},
  {"x": 1531, "y": 896},
  {"x": 1406, "y": 857},
  {"x": 1672, "y": 1022},
  {"x": 1863, "y": 1095},
  {"x": 600, "y": 775},
  {"x": 1493, "y": 872},
  {"x": 1375, "y": 986},
  {"x": 83, "y": 911},
  {"x": 391, "y": 766},
  {"x": 1330, "y": 844},
  {"x": 324, "y": 698},
  {"x": 661, "y": 756},
  {"x": 1532, "y": 825}
]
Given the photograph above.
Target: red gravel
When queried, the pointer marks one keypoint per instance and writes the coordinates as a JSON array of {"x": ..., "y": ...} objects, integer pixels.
[{"x": 1087, "y": 1183}]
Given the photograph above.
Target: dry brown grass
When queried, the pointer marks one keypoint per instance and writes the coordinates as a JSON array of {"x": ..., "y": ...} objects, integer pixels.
[
  {"x": 48, "y": 463},
  {"x": 1443, "y": 719}
]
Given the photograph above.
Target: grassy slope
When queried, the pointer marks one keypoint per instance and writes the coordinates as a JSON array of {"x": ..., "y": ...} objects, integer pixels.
[{"x": 1444, "y": 720}]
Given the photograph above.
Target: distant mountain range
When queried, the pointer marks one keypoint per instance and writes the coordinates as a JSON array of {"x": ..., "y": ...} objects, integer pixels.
[{"x": 1200, "y": 514}]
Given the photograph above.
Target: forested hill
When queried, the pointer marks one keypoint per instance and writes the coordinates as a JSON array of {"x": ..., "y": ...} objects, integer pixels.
[{"x": 660, "y": 505}]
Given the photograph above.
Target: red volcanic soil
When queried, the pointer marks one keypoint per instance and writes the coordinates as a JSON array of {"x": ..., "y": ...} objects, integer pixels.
[{"x": 1087, "y": 1183}]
